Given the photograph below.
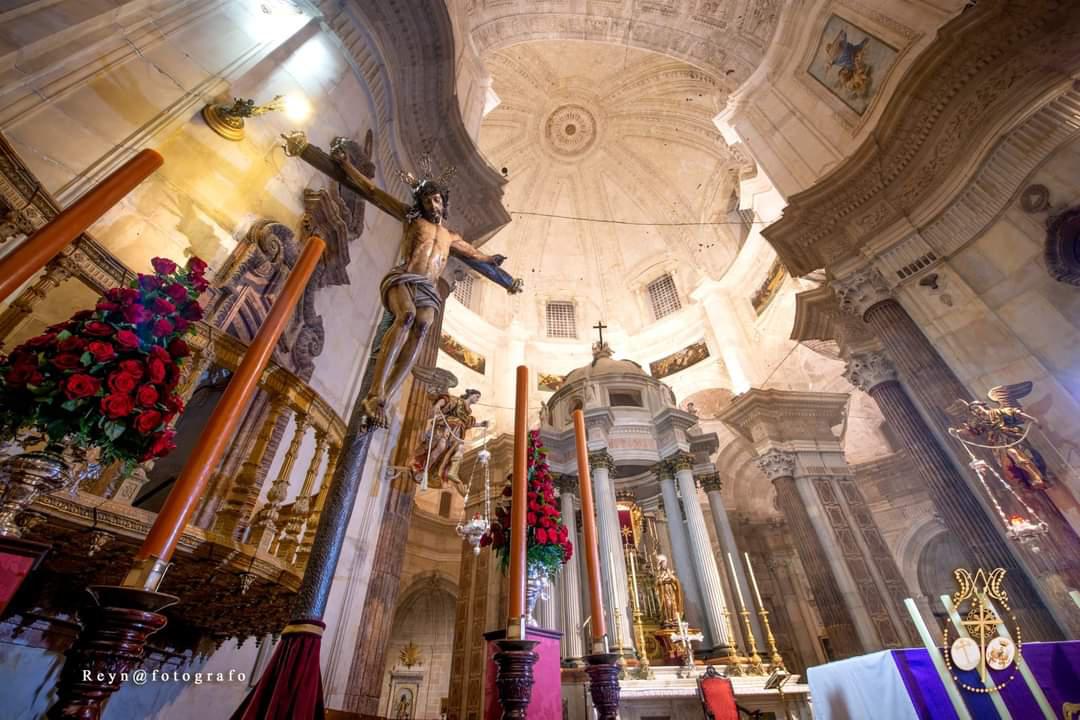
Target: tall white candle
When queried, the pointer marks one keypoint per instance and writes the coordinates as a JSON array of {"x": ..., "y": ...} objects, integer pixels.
[
  {"x": 735, "y": 581},
  {"x": 753, "y": 580}
]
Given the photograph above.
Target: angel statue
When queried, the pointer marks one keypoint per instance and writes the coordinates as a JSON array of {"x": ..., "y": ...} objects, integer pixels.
[
  {"x": 408, "y": 291},
  {"x": 1004, "y": 430},
  {"x": 438, "y": 456}
]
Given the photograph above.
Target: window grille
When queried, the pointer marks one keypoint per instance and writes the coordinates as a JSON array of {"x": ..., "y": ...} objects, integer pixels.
[
  {"x": 463, "y": 290},
  {"x": 561, "y": 322},
  {"x": 663, "y": 297}
]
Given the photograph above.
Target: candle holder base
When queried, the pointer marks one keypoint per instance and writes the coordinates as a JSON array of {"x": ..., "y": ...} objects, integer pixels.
[
  {"x": 514, "y": 680},
  {"x": 115, "y": 629},
  {"x": 603, "y": 675}
]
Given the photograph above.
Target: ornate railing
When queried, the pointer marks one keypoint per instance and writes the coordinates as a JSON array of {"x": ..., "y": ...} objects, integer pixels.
[{"x": 238, "y": 565}]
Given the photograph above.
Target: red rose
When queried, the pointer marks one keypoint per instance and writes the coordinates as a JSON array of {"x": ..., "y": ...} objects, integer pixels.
[
  {"x": 121, "y": 382},
  {"x": 21, "y": 375},
  {"x": 107, "y": 306},
  {"x": 179, "y": 349},
  {"x": 541, "y": 536},
  {"x": 102, "y": 351},
  {"x": 98, "y": 329},
  {"x": 146, "y": 396},
  {"x": 81, "y": 385},
  {"x": 485, "y": 540},
  {"x": 156, "y": 351},
  {"x": 192, "y": 311},
  {"x": 136, "y": 314},
  {"x": 534, "y": 506},
  {"x": 531, "y": 518},
  {"x": 73, "y": 344},
  {"x": 147, "y": 421},
  {"x": 177, "y": 292},
  {"x": 149, "y": 283},
  {"x": 175, "y": 404},
  {"x": 123, "y": 295},
  {"x": 161, "y": 444},
  {"x": 67, "y": 361},
  {"x": 162, "y": 306},
  {"x": 163, "y": 266},
  {"x": 83, "y": 315},
  {"x": 127, "y": 340},
  {"x": 181, "y": 325},
  {"x": 133, "y": 368},
  {"x": 196, "y": 266},
  {"x": 41, "y": 340},
  {"x": 117, "y": 405},
  {"x": 156, "y": 369},
  {"x": 199, "y": 283},
  {"x": 163, "y": 328}
]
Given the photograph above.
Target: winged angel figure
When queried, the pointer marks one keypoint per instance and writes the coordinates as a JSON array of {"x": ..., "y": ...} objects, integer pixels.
[
  {"x": 435, "y": 462},
  {"x": 1003, "y": 428}
]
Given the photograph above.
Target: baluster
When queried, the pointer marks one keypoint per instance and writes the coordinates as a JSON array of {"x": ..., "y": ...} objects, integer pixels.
[
  {"x": 304, "y": 552},
  {"x": 242, "y": 495},
  {"x": 20, "y": 308},
  {"x": 265, "y": 526},
  {"x": 301, "y": 506},
  {"x": 199, "y": 361}
]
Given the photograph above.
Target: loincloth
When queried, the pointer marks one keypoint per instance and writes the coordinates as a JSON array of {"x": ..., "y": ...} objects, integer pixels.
[{"x": 421, "y": 289}]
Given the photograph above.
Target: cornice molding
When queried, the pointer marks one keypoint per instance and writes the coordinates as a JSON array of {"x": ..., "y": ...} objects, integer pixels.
[
  {"x": 781, "y": 416},
  {"x": 987, "y": 67}
]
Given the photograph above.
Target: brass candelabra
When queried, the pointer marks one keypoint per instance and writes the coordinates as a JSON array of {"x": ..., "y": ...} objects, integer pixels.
[
  {"x": 734, "y": 668},
  {"x": 774, "y": 654},
  {"x": 756, "y": 668}
]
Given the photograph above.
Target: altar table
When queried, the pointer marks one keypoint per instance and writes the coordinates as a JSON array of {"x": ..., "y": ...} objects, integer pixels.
[{"x": 903, "y": 685}]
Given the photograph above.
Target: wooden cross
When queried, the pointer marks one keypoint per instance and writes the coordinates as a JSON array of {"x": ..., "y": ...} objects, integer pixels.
[{"x": 600, "y": 327}]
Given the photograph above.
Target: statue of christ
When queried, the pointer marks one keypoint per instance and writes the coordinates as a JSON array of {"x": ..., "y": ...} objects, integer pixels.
[{"x": 408, "y": 291}]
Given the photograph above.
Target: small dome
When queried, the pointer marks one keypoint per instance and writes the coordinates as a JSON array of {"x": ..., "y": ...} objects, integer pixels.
[{"x": 604, "y": 364}]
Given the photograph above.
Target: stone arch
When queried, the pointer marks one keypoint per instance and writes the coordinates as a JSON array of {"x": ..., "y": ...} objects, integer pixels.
[{"x": 941, "y": 554}]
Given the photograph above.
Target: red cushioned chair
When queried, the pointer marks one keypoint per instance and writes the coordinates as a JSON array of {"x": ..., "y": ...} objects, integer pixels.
[{"x": 718, "y": 698}]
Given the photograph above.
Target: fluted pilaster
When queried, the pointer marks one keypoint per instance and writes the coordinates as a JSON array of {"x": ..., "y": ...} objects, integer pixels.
[
  {"x": 680, "y": 550},
  {"x": 779, "y": 467}
]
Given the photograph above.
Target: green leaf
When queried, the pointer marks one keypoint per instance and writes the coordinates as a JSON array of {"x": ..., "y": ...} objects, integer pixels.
[
  {"x": 63, "y": 335},
  {"x": 70, "y": 405},
  {"x": 87, "y": 359},
  {"x": 113, "y": 430}
]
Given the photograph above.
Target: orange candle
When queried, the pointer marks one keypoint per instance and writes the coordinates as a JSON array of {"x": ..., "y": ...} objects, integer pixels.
[
  {"x": 217, "y": 434},
  {"x": 50, "y": 239},
  {"x": 519, "y": 501},
  {"x": 588, "y": 531}
]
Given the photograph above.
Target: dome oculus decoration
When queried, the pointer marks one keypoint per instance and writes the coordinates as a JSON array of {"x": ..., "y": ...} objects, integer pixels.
[{"x": 570, "y": 131}]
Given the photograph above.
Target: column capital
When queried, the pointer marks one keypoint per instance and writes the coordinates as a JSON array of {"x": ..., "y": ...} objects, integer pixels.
[
  {"x": 567, "y": 484},
  {"x": 679, "y": 461},
  {"x": 711, "y": 482},
  {"x": 777, "y": 464},
  {"x": 601, "y": 459},
  {"x": 867, "y": 370},
  {"x": 861, "y": 290},
  {"x": 663, "y": 471}
]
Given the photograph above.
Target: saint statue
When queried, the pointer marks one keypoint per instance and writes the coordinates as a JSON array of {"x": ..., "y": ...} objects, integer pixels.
[
  {"x": 408, "y": 291},
  {"x": 1004, "y": 430},
  {"x": 443, "y": 444},
  {"x": 669, "y": 592},
  {"x": 403, "y": 711}
]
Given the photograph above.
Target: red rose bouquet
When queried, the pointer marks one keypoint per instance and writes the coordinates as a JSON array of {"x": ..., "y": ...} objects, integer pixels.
[
  {"x": 107, "y": 377},
  {"x": 548, "y": 543}
]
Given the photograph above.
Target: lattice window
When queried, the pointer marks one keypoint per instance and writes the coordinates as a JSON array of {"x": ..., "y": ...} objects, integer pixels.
[
  {"x": 663, "y": 296},
  {"x": 463, "y": 290},
  {"x": 561, "y": 322}
]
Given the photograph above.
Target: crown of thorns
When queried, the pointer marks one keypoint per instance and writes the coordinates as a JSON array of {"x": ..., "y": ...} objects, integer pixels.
[{"x": 427, "y": 174}]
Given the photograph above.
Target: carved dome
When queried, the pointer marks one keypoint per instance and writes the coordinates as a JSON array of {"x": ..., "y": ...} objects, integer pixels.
[{"x": 603, "y": 365}]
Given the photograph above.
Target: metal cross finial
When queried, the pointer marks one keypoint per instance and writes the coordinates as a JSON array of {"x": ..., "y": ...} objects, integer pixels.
[{"x": 600, "y": 327}]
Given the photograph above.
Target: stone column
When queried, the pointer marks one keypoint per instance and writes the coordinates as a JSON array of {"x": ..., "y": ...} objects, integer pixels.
[
  {"x": 779, "y": 467},
  {"x": 702, "y": 556},
  {"x": 958, "y": 500},
  {"x": 712, "y": 485},
  {"x": 612, "y": 562},
  {"x": 570, "y": 585},
  {"x": 680, "y": 550}
]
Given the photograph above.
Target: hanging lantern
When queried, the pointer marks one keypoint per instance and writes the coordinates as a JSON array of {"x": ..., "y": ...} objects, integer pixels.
[{"x": 476, "y": 527}]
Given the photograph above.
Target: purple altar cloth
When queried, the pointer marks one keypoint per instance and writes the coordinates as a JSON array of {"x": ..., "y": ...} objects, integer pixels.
[{"x": 1056, "y": 667}]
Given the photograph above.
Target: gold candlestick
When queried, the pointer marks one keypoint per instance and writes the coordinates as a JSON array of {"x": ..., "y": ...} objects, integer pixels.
[
  {"x": 756, "y": 668},
  {"x": 644, "y": 672},
  {"x": 734, "y": 668},
  {"x": 774, "y": 654}
]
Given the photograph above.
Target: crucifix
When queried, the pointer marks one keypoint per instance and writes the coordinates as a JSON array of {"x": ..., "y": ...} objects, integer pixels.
[
  {"x": 408, "y": 291},
  {"x": 686, "y": 637},
  {"x": 983, "y": 621}
]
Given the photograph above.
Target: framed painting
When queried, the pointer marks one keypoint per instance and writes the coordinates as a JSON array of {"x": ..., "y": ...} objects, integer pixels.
[
  {"x": 851, "y": 63},
  {"x": 469, "y": 358},
  {"x": 675, "y": 362}
]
